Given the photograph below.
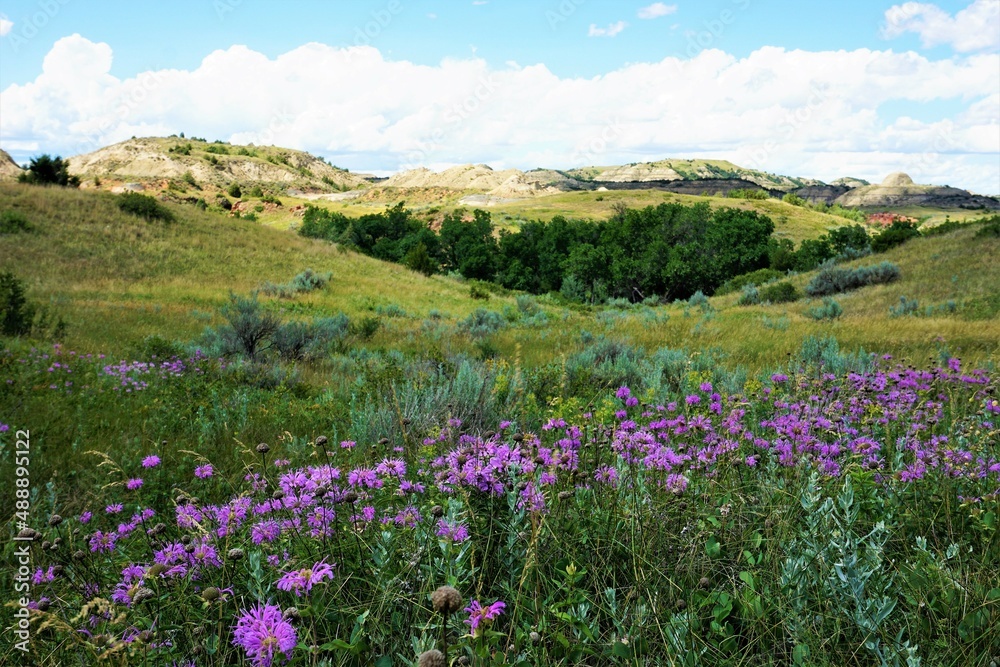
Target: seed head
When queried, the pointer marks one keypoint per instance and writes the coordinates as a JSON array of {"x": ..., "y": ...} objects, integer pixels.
[
  {"x": 432, "y": 658},
  {"x": 235, "y": 554},
  {"x": 55, "y": 520},
  {"x": 210, "y": 594},
  {"x": 321, "y": 441},
  {"x": 263, "y": 448},
  {"x": 155, "y": 570},
  {"x": 142, "y": 595},
  {"x": 446, "y": 600}
]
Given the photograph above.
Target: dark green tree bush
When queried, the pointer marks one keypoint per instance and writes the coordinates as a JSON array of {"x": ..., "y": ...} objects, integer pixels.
[{"x": 48, "y": 170}]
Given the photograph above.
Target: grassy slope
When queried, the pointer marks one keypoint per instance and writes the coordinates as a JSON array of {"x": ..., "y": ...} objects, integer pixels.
[{"x": 117, "y": 279}]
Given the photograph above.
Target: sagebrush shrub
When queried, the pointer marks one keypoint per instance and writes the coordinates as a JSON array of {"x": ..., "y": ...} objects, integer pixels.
[
  {"x": 750, "y": 296},
  {"x": 836, "y": 280},
  {"x": 830, "y": 310},
  {"x": 482, "y": 323}
]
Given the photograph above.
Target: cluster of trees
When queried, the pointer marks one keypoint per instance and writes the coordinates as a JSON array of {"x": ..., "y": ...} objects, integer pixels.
[
  {"x": 669, "y": 250},
  {"x": 48, "y": 170}
]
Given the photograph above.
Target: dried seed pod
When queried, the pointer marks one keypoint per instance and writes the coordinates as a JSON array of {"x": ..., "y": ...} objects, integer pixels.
[{"x": 446, "y": 600}]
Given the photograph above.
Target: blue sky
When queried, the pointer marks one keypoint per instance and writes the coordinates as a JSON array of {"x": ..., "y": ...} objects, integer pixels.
[{"x": 573, "y": 41}]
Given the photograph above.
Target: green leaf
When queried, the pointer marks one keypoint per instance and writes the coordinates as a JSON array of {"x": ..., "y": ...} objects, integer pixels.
[
  {"x": 336, "y": 644},
  {"x": 712, "y": 547},
  {"x": 747, "y": 579},
  {"x": 384, "y": 661},
  {"x": 800, "y": 654},
  {"x": 620, "y": 650}
]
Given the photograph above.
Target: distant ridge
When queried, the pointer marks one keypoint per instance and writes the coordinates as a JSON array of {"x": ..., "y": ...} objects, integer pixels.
[{"x": 214, "y": 164}]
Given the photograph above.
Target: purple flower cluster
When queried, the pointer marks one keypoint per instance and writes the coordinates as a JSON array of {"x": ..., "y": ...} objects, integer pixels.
[
  {"x": 264, "y": 634},
  {"x": 133, "y": 375}
]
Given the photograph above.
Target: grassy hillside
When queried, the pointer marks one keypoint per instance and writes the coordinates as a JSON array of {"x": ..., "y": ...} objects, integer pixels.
[
  {"x": 537, "y": 450},
  {"x": 117, "y": 279}
]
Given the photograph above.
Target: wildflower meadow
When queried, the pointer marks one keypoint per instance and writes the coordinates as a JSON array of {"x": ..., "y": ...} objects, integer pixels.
[{"x": 826, "y": 514}]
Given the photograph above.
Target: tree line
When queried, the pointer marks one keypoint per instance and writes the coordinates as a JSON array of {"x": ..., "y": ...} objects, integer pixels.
[{"x": 670, "y": 250}]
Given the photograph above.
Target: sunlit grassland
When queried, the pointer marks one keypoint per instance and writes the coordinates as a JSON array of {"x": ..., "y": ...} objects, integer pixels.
[{"x": 117, "y": 279}]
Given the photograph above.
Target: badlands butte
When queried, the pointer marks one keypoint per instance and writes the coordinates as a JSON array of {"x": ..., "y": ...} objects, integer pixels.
[{"x": 180, "y": 168}]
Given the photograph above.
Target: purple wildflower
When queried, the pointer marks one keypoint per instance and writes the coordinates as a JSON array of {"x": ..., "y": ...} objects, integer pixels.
[
  {"x": 133, "y": 484},
  {"x": 151, "y": 461},
  {"x": 203, "y": 472},
  {"x": 456, "y": 532},
  {"x": 302, "y": 581},
  {"x": 263, "y": 633},
  {"x": 478, "y": 614}
]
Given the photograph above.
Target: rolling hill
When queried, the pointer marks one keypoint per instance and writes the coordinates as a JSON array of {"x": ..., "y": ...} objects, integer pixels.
[
  {"x": 158, "y": 161},
  {"x": 118, "y": 279}
]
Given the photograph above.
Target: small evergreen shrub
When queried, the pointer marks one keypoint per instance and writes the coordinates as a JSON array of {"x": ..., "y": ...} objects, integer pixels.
[
  {"x": 144, "y": 206},
  {"x": 830, "y": 310},
  {"x": 783, "y": 292},
  {"x": 234, "y": 190},
  {"x": 16, "y": 313},
  {"x": 837, "y": 280}
]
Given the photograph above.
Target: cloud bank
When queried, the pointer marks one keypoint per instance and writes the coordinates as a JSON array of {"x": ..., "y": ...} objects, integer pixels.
[
  {"x": 975, "y": 28},
  {"x": 794, "y": 112}
]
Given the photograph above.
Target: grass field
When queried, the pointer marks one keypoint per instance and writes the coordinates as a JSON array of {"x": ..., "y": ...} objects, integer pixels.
[{"x": 688, "y": 484}]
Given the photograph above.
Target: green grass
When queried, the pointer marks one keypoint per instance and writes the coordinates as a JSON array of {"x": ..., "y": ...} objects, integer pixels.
[
  {"x": 117, "y": 279},
  {"x": 635, "y": 559}
]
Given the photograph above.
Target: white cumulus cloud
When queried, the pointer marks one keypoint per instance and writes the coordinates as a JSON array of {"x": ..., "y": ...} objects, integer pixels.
[
  {"x": 611, "y": 31},
  {"x": 815, "y": 114},
  {"x": 656, "y": 10},
  {"x": 975, "y": 28},
  {"x": 5, "y": 26}
]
